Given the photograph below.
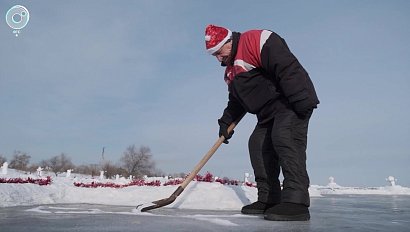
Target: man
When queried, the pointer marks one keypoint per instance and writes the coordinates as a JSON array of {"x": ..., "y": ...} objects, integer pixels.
[{"x": 264, "y": 78}]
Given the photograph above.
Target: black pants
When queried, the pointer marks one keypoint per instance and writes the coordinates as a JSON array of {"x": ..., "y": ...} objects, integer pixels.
[{"x": 281, "y": 144}]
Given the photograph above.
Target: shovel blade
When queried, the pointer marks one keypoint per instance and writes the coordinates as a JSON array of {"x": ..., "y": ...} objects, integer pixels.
[
  {"x": 158, "y": 204},
  {"x": 162, "y": 202}
]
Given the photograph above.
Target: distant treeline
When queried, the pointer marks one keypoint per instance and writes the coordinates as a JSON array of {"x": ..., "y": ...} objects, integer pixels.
[{"x": 134, "y": 161}]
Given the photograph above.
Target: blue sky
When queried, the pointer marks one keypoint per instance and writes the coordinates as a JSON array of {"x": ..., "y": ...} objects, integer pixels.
[{"x": 83, "y": 75}]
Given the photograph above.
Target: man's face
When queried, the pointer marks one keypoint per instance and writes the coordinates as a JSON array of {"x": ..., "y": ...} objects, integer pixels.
[{"x": 223, "y": 54}]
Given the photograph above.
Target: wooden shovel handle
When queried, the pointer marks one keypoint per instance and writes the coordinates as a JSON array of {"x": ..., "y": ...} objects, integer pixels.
[{"x": 209, "y": 154}]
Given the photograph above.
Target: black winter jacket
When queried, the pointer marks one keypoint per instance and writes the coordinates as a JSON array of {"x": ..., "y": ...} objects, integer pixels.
[{"x": 265, "y": 76}]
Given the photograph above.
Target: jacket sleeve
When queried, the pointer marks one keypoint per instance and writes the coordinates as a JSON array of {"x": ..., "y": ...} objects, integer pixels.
[
  {"x": 232, "y": 111},
  {"x": 292, "y": 79}
]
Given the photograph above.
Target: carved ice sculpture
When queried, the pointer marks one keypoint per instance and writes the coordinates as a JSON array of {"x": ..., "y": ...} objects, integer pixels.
[
  {"x": 39, "y": 171},
  {"x": 391, "y": 180},
  {"x": 4, "y": 168}
]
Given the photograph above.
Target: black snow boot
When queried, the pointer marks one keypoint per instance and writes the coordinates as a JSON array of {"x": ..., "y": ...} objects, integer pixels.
[
  {"x": 256, "y": 208},
  {"x": 288, "y": 212}
]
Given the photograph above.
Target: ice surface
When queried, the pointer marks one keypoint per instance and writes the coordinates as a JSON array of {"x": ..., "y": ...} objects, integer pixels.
[
  {"x": 201, "y": 207},
  {"x": 328, "y": 213}
]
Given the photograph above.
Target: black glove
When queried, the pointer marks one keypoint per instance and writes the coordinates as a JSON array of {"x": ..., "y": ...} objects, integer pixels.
[{"x": 223, "y": 131}]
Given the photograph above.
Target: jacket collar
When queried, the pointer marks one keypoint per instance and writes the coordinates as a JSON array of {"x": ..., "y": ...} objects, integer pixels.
[{"x": 235, "y": 41}]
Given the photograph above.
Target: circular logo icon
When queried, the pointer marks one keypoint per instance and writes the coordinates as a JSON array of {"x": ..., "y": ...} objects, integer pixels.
[{"x": 17, "y": 17}]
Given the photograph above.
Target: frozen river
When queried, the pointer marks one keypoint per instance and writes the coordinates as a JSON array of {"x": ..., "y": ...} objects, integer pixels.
[{"x": 329, "y": 213}]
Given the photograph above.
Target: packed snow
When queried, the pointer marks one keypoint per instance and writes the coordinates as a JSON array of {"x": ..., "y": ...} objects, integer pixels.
[{"x": 198, "y": 195}]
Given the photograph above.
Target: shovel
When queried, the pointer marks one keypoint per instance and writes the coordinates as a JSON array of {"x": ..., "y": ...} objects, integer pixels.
[{"x": 166, "y": 201}]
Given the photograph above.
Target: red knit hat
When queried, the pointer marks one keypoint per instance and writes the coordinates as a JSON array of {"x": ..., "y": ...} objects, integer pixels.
[{"x": 216, "y": 37}]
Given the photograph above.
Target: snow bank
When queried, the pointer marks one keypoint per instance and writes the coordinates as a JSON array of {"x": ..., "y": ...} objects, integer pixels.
[
  {"x": 198, "y": 195},
  {"x": 387, "y": 190}
]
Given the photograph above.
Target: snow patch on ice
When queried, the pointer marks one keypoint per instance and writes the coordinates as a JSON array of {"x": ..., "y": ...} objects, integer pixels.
[
  {"x": 39, "y": 209},
  {"x": 63, "y": 208},
  {"x": 88, "y": 211},
  {"x": 218, "y": 221}
]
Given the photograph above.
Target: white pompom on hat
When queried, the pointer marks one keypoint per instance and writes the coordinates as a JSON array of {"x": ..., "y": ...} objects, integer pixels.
[{"x": 216, "y": 37}]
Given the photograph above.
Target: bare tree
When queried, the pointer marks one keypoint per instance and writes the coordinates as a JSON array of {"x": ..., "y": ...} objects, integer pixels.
[
  {"x": 20, "y": 160},
  {"x": 45, "y": 164},
  {"x": 83, "y": 169},
  {"x": 94, "y": 169},
  {"x": 110, "y": 169},
  {"x": 157, "y": 172},
  {"x": 88, "y": 169},
  {"x": 178, "y": 175},
  {"x": 58, "y": 164},
  {"x": 32, "y": 168},
  {"x": 138, "y": 162},
  {"x": 2, "y": 159}
]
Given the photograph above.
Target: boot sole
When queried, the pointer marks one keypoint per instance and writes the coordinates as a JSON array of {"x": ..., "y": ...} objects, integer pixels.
[
  {"x": 253, "y": 211},
  {"x": 277, "y": 217}
]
